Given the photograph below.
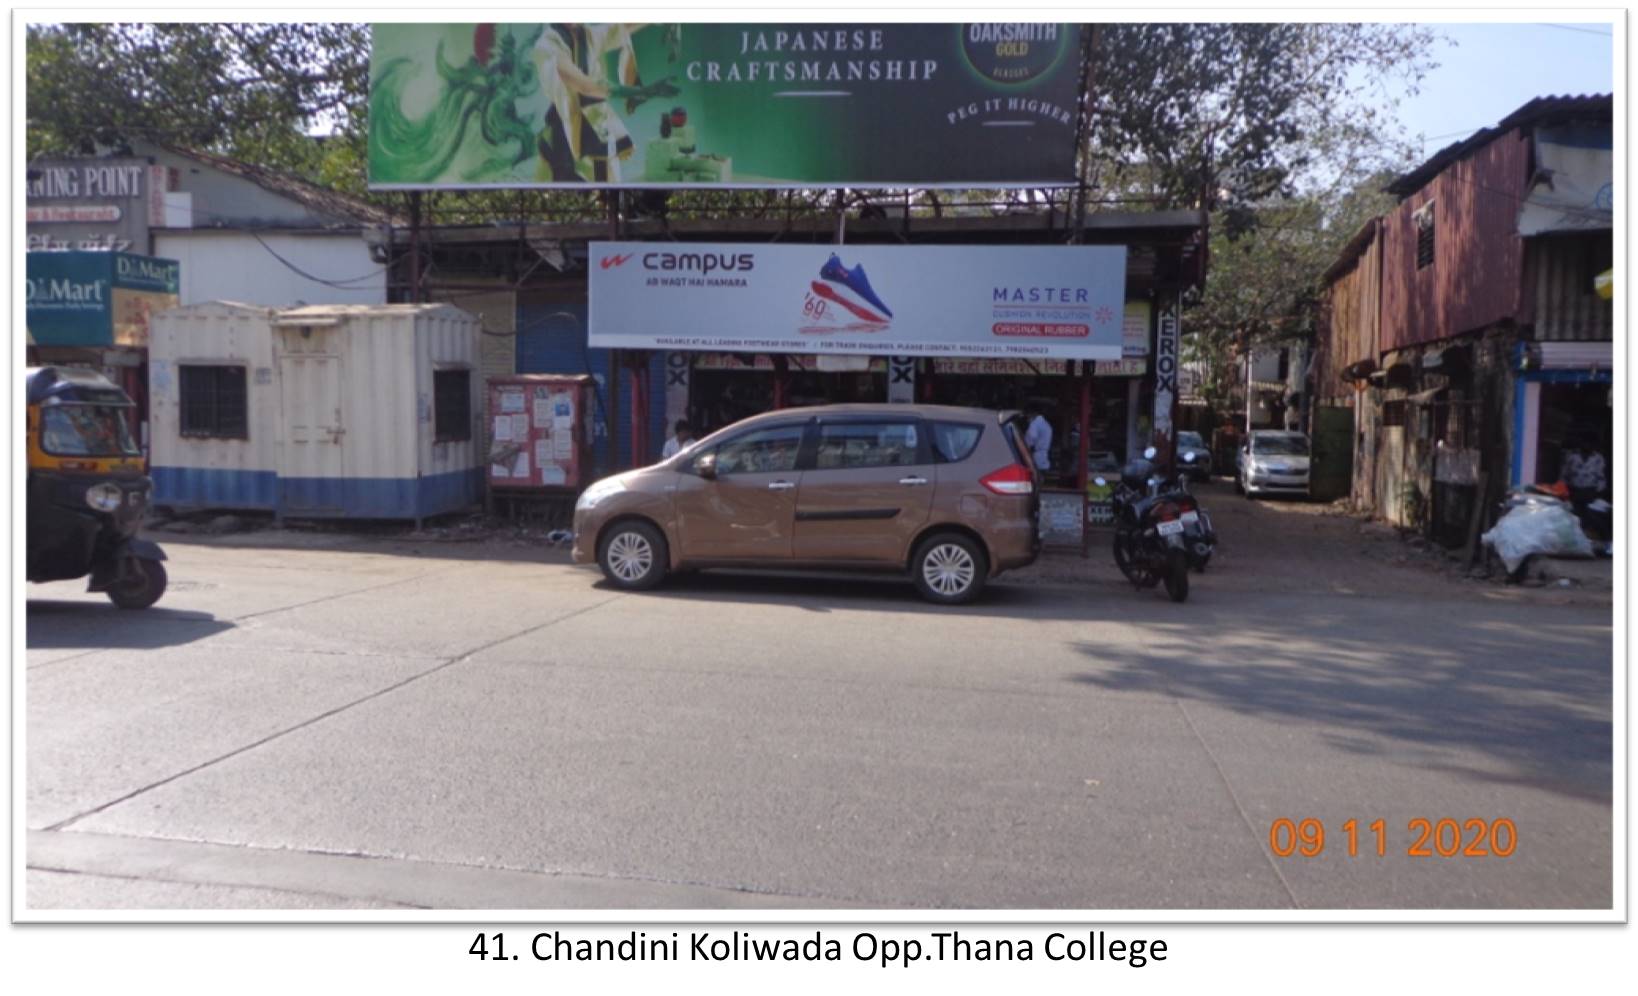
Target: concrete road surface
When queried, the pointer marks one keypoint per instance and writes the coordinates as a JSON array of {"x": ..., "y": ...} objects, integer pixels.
[{"x": 318, "y": 722}]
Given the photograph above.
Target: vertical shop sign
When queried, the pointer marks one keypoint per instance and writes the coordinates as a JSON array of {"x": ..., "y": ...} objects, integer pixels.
[
  {"x": 1167, "y": 342},
  {"x": 901, "y": 380}
]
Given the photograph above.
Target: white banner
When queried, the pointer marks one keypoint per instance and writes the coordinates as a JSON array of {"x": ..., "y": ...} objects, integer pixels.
[{"x": 1004, "y": 301}]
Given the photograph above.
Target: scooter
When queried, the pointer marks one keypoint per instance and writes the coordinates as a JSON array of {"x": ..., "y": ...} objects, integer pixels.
[{"x": 1151, "y": 518}]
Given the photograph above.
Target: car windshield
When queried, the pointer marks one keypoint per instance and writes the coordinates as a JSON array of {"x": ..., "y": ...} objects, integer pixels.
[
  {"x": 86, "y": 430},
  {"x": 1191, "y": 439},
  {"x": 1280, "y": 445}
]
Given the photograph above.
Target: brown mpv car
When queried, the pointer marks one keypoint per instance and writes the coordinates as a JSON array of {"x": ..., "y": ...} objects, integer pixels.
[{"x": 947, "y": 495}]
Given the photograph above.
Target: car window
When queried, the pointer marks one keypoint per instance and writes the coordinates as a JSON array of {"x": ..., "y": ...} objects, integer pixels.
[
  {"x": 1015, "y": 440},
  {"x": 1279, "y": 445},
  {"x": 1190, "y": 439},
  {"x": 761, "y": 451},
  {"x": 954, "y": 441},
  {"x": 849, "y": 445}
]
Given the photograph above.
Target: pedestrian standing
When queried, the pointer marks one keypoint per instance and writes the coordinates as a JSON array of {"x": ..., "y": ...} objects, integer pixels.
[
  {"x": 682, "y": 437},
  {"x": 1038, "y": 437}
]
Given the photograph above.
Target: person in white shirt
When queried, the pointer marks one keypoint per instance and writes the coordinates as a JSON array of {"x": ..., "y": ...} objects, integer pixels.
[
  {"x": 1038, "y": 437},
  {"x": 681, "y": 439}
]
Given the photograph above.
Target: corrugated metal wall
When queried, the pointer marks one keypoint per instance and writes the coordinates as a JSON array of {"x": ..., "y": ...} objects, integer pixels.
[
  {"x": 1476, "y": 274},
  {"x": 1353, "y": 328},
  {"x": 227, "y": 473},
  {"x": 341, "y": 411},
  {"x": 1566, "y": 307},
  {"x": 552, "y": 339}
]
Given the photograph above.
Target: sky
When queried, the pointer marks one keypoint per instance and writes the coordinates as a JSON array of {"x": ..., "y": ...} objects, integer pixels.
[{"x": 1493, "y": 69}]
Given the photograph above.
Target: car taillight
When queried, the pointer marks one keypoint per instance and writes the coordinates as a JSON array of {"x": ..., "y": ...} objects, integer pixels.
[
  {"x": 1186, "y": 505},
  {"x": 1014, "y": 479},
  {"x": 1166, "y": 511}
]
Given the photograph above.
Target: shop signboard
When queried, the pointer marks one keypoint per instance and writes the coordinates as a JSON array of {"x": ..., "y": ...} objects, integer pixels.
[
  {"x": 692, "y": 105},
  {"x": 88, "y": 204},
  {"x": 1168, "y": 340},
  {"x": 1004, "y": 302},
  {"x": 97, "y": 298}
]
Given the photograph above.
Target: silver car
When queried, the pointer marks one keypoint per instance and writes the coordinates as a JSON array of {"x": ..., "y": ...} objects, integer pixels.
[{"x": 1273, "y": 462}]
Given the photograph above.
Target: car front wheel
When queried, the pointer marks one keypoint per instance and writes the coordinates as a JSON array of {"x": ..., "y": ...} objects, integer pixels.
[
  {"x": 633, "y": 556},
  {"x": 949, "y": 569}
]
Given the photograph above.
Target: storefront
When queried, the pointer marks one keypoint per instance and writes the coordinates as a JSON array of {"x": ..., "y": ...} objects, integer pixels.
[
  {"x": 92, "y": 309},
  {"x": 1565, "y": 393},
  {"x": 747, "y": 328}
]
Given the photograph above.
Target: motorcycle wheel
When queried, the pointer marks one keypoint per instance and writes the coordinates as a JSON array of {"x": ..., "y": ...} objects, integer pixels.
[
  {"x": 1126, "y": 558},
  {"x": 1177, "y": 575}
]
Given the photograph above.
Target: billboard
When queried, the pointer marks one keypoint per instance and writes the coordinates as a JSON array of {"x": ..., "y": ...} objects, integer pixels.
[
  {"x": 1021, "y": 302},
  {"x": 93, "y": 204},
  {"x": 97, "y": 298},
  {"x": 715, "y": 105}
]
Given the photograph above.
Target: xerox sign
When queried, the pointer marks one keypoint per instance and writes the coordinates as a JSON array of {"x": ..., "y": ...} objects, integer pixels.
[{"x": 1060, "y": 302}]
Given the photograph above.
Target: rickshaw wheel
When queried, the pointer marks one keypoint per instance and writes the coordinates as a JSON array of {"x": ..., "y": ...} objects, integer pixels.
[{"x": 139, "y": 594}]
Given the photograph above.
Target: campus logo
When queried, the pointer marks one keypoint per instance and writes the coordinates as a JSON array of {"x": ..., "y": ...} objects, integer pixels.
[
  {"x": 608, "y": 261},
  {"x": 1013, "y": 53},
  {"x": 843, "y": 300}
]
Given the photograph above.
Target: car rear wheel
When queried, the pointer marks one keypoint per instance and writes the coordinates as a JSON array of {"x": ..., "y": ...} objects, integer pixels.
[
  {"x": 633, "y": 556},
  {"x": 949, "y": 569}
]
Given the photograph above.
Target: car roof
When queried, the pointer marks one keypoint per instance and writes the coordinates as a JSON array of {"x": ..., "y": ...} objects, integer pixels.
[
  {"x": 924, "y": 411},
  {"x": 1277, "y": 432}
]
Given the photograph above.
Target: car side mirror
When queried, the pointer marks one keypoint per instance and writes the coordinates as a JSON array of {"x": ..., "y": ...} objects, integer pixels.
[
  {"x": 1149, "y": 453},
  {"x": 706, "y": 466}
]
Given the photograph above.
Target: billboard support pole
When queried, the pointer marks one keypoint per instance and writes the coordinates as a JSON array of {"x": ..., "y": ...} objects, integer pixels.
[
  {"x": 841, "y": 216},
  {"x": 415, "y": 246}
]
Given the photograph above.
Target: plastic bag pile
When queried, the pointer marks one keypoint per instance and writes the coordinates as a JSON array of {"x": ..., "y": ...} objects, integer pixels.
[{"x": 1537, "y": 526}]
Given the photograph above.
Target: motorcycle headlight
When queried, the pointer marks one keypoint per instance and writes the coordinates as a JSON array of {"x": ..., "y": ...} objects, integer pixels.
[{"x": 104, "y": 497}]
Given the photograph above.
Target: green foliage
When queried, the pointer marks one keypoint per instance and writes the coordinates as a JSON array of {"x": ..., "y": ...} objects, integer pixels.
[{"x": 1224, "y": 115}]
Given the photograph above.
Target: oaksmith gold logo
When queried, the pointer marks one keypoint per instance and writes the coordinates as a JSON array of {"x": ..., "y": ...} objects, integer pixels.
[{"x": 1013, "y": 53}]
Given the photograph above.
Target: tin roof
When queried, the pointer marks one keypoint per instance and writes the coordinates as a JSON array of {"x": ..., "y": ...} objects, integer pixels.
[
  {"x": 322, "y": 200},
  {"x": 1536, "y": 111}
]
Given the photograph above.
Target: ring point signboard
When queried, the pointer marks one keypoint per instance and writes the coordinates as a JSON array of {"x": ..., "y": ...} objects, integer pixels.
[
  {"x": 1020, "y": 302},
  {"x": 462, "y": 106}
]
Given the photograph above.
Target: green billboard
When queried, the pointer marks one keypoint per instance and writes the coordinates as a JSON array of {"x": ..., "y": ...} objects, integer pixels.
[{"x": 714, "y": 105}]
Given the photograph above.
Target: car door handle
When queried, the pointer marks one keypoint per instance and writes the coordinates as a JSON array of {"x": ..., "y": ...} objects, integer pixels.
[
  {"x": 781, "y": 485},
  {"x": 912, "y": 480}
]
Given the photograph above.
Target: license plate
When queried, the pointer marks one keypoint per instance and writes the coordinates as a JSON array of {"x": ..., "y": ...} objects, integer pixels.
[
  {"x": 1190, "y": 518},
  {"x": 1169, "y": 528}
]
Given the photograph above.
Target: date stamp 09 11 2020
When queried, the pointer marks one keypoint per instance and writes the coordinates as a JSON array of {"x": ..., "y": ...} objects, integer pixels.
[{"x": 1445, "y": 838}]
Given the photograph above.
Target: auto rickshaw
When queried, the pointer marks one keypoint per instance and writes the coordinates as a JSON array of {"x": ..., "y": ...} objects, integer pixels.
[{"x": 88, "y": 488}]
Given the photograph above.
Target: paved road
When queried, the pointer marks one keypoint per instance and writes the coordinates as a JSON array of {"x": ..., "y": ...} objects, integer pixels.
[{"x": 304, "y": 723}]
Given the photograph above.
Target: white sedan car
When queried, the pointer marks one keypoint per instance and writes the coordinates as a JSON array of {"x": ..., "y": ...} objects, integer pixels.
[{"x": 1273, "y": 461}]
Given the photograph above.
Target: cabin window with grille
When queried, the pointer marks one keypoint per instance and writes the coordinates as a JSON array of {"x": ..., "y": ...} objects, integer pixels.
[
  {"x": 452, "y": 405},
  {"x": 213, "y": 401},
  {"x": 1423, "y": 220}
]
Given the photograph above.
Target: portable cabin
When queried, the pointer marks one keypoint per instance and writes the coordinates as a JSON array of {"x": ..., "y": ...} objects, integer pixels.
[{"x": 322, "y": 411}]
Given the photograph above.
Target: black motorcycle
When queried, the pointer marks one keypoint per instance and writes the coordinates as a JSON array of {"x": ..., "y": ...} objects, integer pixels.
[
  {"x": 1198, "y": 535},
  {"x": 1150, "y": 526}
]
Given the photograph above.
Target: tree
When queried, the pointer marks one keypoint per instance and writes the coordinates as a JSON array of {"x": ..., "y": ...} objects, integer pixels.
[
  {"x": 1223, "y": 115},
  {"x": 251, "y": 91}
]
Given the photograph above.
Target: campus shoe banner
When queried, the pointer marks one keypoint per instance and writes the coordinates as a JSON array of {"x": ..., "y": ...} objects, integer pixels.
[
  {"x": 1023, "y": 302},
  {"x": 722, "y": 105}
]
